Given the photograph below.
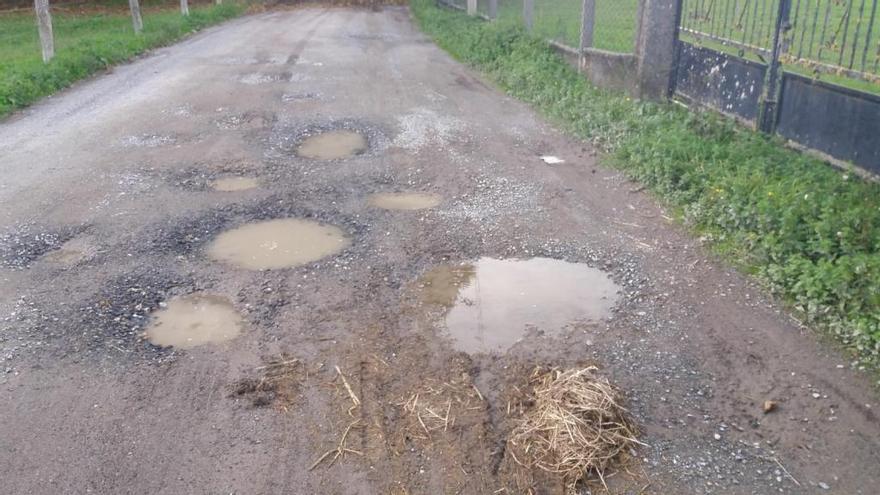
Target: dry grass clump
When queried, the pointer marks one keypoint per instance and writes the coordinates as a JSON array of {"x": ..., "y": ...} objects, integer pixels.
[
  {"x": 577, "y": 425},
  {"x": 277, "y": 383},
  {"x": 435, "y": 406}
]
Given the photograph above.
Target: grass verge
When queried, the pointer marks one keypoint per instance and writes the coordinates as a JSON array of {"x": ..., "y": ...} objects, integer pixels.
[
  {"x": 810, "y": 232},
  {"x": 86, "y": 43}
]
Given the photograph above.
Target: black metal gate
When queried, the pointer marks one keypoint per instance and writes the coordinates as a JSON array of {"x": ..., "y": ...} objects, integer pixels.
[{"x": 808, "y": 70}]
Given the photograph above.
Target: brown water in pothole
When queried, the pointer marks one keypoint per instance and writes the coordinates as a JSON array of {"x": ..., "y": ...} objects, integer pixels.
[
  {"x": 232, "y": 184},
  {"x": 404, "y": 201},
  {"x": 333, "y": 145},
  {"x": 194, "y": 320},
  {"x": 282, "y": 243},
  {"x": 492, "y": 304}
]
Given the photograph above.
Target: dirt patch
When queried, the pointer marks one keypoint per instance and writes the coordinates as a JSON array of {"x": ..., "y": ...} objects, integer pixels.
[
  {"x": 276, "y": 383},
  {"x": 22, "y": 245},
  {"x": 234, "y": 184},
  {"x": 405, "y": 200}
]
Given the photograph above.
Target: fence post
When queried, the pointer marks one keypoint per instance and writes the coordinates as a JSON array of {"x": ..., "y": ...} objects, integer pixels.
[
  {"x": 44, "y": 26},
  {"x": 529, "y": 13},
  {"x": 493, "y": 9},
  {"x": 184, "y": 7},
  {"x": 656, "y": 47},
  {"x": 772, "y": 85},
  {"x": 588, "y": 22},
  {"x": 136, "y": 21},
  {"x": 472, "y": 7}
]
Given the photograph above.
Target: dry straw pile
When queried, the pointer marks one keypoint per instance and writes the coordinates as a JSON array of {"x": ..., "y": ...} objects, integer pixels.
[{"x": 576, "y": 427}]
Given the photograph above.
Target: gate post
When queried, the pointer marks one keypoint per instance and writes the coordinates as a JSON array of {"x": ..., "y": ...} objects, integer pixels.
[
  {"x": 529, "y": 13},
  {"x": 769, "y": 110},
  {"x": 493, "y": 9},
  {"x": 472, "y": 7},
  {"x": 588, "y": 22},
  {"x": 656, "y": 47},
  {"x": 44, "y": 26}
]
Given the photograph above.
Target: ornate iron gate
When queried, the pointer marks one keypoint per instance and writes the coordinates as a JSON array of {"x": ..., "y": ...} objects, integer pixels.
[{"x": 808, "y": 70}]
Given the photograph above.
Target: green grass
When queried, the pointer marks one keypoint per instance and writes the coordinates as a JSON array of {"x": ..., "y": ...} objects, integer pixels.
[
  {"x": 810, "y": 232},
  {"x": 84, "y": 44}
]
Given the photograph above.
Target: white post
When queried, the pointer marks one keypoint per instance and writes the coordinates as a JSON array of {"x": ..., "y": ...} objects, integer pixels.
[
  {"x": 472, "y": 7},
  {"x": 184, "y": 7},
  {"x": 136, "y": 19},
  {"x": 44, "y": 25},
  {"x": 218, "y": 2}
]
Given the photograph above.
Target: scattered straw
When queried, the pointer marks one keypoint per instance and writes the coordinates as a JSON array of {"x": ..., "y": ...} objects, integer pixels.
[
  {"x": 576, "y": 426},
  {"x": 340, "y": 449}
]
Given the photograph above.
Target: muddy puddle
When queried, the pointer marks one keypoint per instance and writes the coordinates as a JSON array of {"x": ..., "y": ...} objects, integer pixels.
[
  {"x": 233, "y": 184},
  {"x": 404, "y": 200},
  {"x": 71, "y": 253},
  {"x": 492, "y": 304},
  {"x": 281, "y": 243},
  {"x": 332, "y": 145},
  {"x": 194, "y": 320}
]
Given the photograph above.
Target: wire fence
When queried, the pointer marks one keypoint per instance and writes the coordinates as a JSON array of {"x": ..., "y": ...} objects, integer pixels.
[{"x": 840, "y": 38}]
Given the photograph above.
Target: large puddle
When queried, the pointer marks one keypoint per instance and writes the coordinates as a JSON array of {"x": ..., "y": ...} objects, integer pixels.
[
  {"x": 233, "y": 184},
  {"x": 404, "y": 200},
  {"x": 333, "y": 145},
  {"x": 194, "y": 320},
  {"x": 492, "y": 304},
  {"x": 282, "y": 243}
]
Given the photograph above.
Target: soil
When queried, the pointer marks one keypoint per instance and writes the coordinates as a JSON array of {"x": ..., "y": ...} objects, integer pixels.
[{"x": 120, "y": 167}]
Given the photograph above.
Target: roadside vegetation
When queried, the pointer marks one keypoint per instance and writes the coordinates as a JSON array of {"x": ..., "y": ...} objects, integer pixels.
[
  {"x": 88, "y": 38},
  {"x": 810, "y": 232}
]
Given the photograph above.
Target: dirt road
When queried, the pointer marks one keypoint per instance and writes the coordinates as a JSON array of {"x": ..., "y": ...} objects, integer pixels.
[{"x": 119, "y": 197}]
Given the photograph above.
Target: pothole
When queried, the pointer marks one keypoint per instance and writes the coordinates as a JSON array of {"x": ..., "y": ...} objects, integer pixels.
[
  {"x": 233, "y": 184},
  {"x": 405, "y": 200},
  {"x": 333, "y": 145},
  {"x": 194, "y": 320},
  {"x": 492, "y": 304},
  {"x": 280, "y": 243},
  {"x": 72, "y": 252}
]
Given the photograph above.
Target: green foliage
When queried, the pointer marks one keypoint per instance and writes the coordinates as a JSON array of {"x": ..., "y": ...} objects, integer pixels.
[
  {"x": 810, "y": 232},
  {"x": 85, "y": 44}
]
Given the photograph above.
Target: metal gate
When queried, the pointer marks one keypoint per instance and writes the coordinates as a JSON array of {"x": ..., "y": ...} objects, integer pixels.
[{"x": 808, "y": 70}]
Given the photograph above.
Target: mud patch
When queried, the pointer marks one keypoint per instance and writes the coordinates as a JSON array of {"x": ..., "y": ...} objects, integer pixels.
[
  {"x": 492, "y": 304},
  {"x": 194, "y": 320},
  {"x": 332, "y": 145},
  {"x": 404, "y": 200},
  {"x": 280, "y": 243},
  {"x": 234, "y": 184}
]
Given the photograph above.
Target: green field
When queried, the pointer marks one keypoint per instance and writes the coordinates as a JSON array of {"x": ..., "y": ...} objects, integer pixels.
[
  {"x": 809, "y": 232},
  {"x": 87, "y": 40}
]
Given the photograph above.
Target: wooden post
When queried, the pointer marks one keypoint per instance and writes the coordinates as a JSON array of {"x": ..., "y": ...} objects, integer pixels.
[
  {"x": 136, "y": 21},
  {"x": 184, "y": 7},
  {"x": 588, "y": 22},
  {"x": 529, "y": 13},
  {"x": 44, "y": 25}
]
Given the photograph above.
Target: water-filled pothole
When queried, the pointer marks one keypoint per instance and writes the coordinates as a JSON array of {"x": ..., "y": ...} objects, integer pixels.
[
  {"x": 332, "y": 145},
  {"x": 281, "y": 243},
  {"x": 194, "y": 320},
  {"x": 233, "y": 184},
  {"x": 405, "y": 200},
  {"x": 70, "y": 253},
  {"x": 491, "y": 304}
]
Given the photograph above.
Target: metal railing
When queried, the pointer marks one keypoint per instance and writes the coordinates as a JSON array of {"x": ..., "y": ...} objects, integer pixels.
[{"x": 838, "y": 37}]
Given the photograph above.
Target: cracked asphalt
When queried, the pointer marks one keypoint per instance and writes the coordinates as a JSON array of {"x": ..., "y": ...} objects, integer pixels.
[{"x": 106, "y": 210}]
